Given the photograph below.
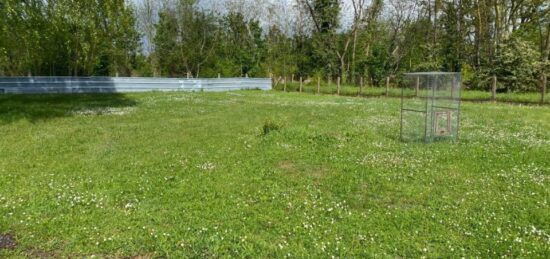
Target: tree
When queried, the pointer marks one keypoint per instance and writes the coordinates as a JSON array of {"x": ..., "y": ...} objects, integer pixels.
[
  {"x": 67, "y": 37},
  {"x": 324, "y": 15},
  {"x": 516, "y": 65}
]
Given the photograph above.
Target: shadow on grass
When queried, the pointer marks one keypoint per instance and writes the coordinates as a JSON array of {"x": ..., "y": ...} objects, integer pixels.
[{"x": 36, "y": 108}]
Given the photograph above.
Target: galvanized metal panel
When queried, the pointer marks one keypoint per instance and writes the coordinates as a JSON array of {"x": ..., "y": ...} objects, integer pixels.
[{"x": 32, "y": 85}]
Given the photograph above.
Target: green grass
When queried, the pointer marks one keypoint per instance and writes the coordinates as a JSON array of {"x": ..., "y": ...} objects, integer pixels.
[
  {"x": 198, "y": 175},
  {"x": 466, "y": 95}
]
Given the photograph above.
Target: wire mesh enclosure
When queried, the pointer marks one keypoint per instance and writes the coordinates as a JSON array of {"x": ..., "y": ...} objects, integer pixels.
[{"x": 430, "y": 106}]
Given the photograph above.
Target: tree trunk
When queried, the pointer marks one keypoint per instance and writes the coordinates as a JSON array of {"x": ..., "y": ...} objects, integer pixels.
[
  {"x": 494, "y": 89},
  {"x": 338, "y": 86},
  {"x": 360, "y": 87},
  {"x": 498, "y": 25},
  {"x": 544, "y": 83},
  {"x": 479, "y": 34},
  {"x": 387, "y": 86},
  {"x": 318, "y": 85},
  {"x": 354, "y": 54},
  {"x": 358, "y": 9},
  {"x": 343, "y": 68},
  {"x": 545, "y": 58}
]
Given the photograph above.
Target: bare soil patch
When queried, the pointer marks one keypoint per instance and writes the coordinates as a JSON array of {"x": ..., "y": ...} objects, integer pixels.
[{"x": 7, "y": 241}]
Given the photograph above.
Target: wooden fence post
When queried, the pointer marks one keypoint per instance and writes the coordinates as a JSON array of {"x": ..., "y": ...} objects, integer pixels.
[
  {"x": 494, "y": 89},
  {"x": 284, "y": 87},
  {"x": 219, "y": 75},
  {"x": 318, "y": 85},
  {"x": 301, "y": 84},
  {"x": 387, "y": 86},
  {"x": 292, "y": 79},
  {"x": 338, "y": 85}
]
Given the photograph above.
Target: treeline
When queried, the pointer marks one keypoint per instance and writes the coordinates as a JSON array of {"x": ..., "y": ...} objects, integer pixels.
[
  {"x": 503, "y": 44},
  {"x": 67, "y": 37}
]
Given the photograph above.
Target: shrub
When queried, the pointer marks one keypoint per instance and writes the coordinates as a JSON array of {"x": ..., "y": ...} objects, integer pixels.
[
  {"x": 516, "y": 66},
  {"x": 272, "y": 125}
]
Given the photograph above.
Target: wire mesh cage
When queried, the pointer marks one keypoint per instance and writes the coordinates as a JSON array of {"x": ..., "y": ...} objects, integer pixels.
[{"x": 430, "y": 106}]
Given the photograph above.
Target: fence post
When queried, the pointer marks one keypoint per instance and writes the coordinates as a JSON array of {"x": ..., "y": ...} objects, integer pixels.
[
  {"x": 338, "y": 86},
  {"x": 301, "y": 84},
  {"x": 292, "y": 79},
  {"x": 361, "y": 86},
  {"x": 387, "y": 86},
  {"x": 318, "y": 85},
  {"x": 284, "y": 86},
  {"x": 494, "y": 89},
  {"x": 246, "y": 75},
  {"x": 219, "y": 75}
]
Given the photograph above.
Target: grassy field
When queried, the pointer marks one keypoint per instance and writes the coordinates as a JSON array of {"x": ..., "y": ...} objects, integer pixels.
[
  {"x": 466, "y": 95},
  {"x": 194, "y": 175}
]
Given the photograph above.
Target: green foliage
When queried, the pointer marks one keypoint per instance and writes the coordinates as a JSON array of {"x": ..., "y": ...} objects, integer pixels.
[
  {"x": 280, "y": 57},
  {"x": 517, "y": 65},
  {"x": 467, "y": 74},
  {"x": 427, "y": 66},
  {"x": 378, "y": 64},
  {"x": 514, "y": 72},
  {"x": 272, "y": 125},
  {"x": 67, "y": 37}
]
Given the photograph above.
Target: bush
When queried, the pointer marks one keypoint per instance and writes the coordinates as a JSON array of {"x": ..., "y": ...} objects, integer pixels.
[
  {"x": 272, "y": 125},
  {"x": 516, "y": 66}
]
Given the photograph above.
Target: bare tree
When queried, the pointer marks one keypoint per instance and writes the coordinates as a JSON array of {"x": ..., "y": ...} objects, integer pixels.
[
  {"x": 147, "y": 16},
  {"x": 400, "y": 13},
  {"x": 545, "y": 63}
]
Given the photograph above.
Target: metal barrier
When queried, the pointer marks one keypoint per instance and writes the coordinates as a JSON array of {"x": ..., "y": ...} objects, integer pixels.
[{"x": 43, "y": 85}]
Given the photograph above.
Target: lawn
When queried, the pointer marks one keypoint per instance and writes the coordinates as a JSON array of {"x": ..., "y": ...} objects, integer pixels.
[{"x": 194, "y": 175}]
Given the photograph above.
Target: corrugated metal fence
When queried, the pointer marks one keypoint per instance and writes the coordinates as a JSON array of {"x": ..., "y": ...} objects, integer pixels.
[{"x": 39, "y": 85}]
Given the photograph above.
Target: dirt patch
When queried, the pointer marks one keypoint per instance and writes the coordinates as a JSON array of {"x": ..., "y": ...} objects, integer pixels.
[
  {"x": 287, "y": 165},
  {"x": 293, "y": 170},
  {"x": 7, "y": 241}
]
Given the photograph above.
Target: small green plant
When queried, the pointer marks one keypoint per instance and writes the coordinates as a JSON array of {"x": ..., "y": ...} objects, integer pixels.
[{"x": 271, "y": 125}]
